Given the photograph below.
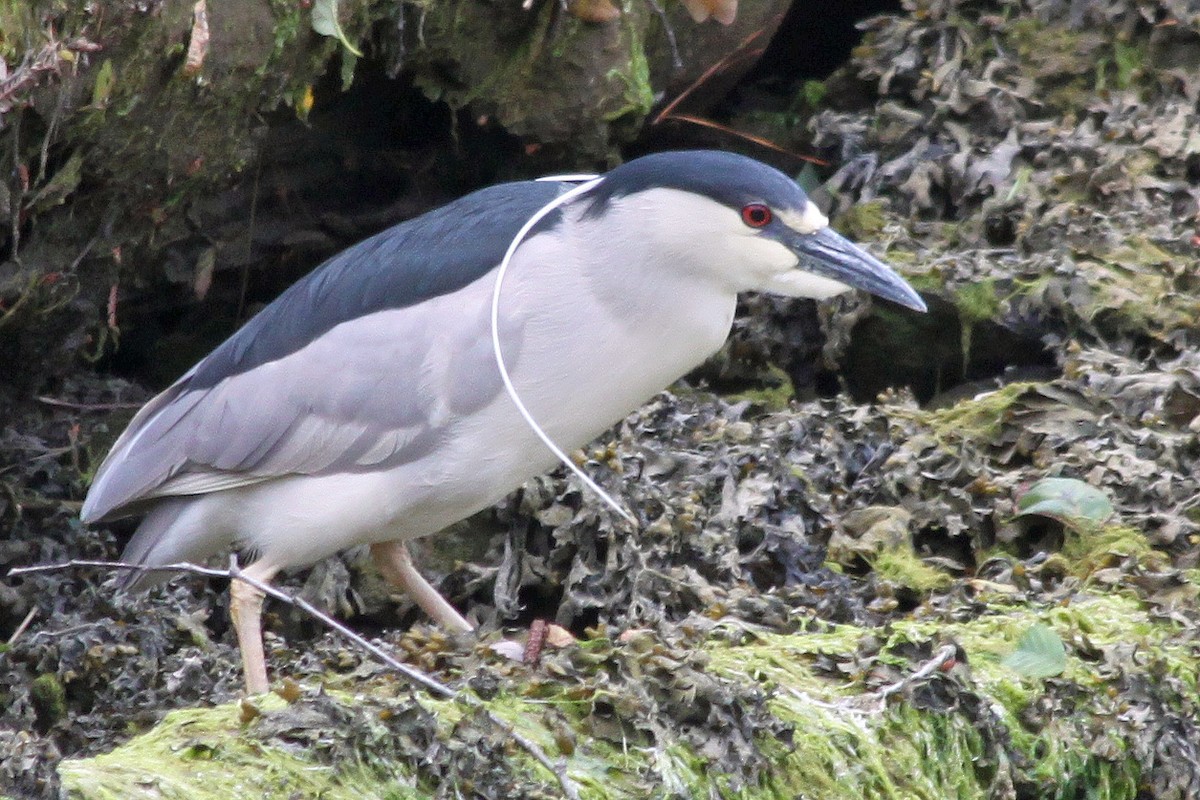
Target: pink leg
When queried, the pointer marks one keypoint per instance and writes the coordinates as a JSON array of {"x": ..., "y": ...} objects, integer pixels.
[
  {"x": 245, "y": 607},
  {"x": 395, "y": 563}
]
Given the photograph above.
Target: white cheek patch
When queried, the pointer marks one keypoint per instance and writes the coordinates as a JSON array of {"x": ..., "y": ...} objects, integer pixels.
[
  {"x": 769, "y": 255},
  {"x": 807, "y": 220},
  {"x": 799, "y": 283}
]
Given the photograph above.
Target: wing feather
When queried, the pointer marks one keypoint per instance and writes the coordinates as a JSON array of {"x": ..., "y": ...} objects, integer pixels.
[{"x": 346, "y": 370}]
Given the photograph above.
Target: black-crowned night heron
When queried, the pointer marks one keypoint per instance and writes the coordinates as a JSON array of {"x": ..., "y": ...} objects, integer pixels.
[{"x": 366, "y": 405}]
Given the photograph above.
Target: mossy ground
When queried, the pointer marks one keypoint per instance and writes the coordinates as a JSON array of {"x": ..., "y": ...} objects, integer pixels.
[{"x": 963, "y": 733}]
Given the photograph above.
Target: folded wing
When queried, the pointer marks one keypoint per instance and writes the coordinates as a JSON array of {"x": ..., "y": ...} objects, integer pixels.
[{"x": 346, "y": 370}]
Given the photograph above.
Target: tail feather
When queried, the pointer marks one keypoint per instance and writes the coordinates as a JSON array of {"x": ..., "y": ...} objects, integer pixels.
[{"x": 174, "y": 530}]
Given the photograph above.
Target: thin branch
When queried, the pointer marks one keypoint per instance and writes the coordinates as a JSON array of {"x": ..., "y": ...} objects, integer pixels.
[
  {"x": 24, "y": 624},
  {"x": 245, "y": 281},
  {"x": 47, "y": 60},
  {"x": 235, "y": 573},
  {"x": 942, "y": 657},
  {"x": 749, "y": 137},
  {"x": 558, "y": 770},
  {"x": 26, "y": 295},
  {"x": 51, "y": 129},
  {"x": 54, "y": 401},
  {"x": 87, "y": 248},
  {"x": 676, "y": 59},
  {"x": 20, "y": 188},
  {"x": 738, "y": 53},
  {"x": 414, "y": 676},
  {"x": 873, "y": 703}
]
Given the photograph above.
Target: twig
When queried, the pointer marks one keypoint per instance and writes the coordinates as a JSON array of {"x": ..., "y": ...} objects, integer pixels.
[
  {"x": 87, "y": 248},
  {"x": 739, "y": 53},
  {"x": 940, "y": 659},
  {"x": 235, "y": 573},
  {"x": 20, "y": 188},
  {"x": 245, "y": 282},
  {"x": 559, "y": 770},
  {"x": 33, "y": 66},
  {"x": 413, "y": 675},
  {"x": 24, "y": 624},
  {"x": 26, "y": 295},
  {"x": 749, "y": 137},
  {"x": 54, "y": 401},
  {"x": 51, "y": 130},
  {"x": 872, "y": 703},
  {"x": 676, "y": 59}
]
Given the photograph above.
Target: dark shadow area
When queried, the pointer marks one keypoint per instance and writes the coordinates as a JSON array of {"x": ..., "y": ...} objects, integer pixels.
[
  {"x": 895, "y": 347},
  {"x": 366, "y": 158},
  {"x": 813, "y": 41}
]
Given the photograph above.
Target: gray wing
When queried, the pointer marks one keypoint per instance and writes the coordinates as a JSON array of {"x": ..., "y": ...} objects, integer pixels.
[{"x": 352, "y": 368}]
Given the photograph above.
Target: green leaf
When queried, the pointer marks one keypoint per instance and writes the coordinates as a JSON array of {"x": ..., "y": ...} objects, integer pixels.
[
  {"x": 1071, "y": 502},
  {"x": 105, "y": 81},
  {"x": 814, "y": 92},
  {"x": 1039, "y": 654},
  {"x": 325, "y": 22},
  {"x": 1129, "y": 59},
  {"x": 349, "y": 62},
  {"x": 61, "y": 186}
]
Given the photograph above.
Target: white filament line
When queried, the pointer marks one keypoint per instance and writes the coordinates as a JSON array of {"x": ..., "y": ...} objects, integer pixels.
[
  {"x": 574, "y": 177},
  {"x": 508, "y": 384}
]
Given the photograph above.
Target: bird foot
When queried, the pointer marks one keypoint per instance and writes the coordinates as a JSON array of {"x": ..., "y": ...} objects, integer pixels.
[{"x": 395, "y": 563}]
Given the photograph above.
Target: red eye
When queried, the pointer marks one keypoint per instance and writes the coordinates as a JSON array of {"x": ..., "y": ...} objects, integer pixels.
[{"x": 756, "y": 215}]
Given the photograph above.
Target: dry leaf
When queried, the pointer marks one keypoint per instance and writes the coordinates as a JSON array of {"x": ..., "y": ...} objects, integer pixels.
[
  {"x": 204, "y": 273},
  {"x": 594, "y": 10},
  {"x": 198, "y": 46},
  {"x": 723, "y": 11}
]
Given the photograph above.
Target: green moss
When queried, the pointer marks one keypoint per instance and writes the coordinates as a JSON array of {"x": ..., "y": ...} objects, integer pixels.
[
  {"x": 289, "y": 22},
  {"x": 49, "y": 698},
  {"x": 151, "y": 128},
  {"x": 845, "y": 749},
  {"x": 1062, "y": 59},
  {"x": 813, "y": 93},
  {"x": 1072, "y": 64},
  {"x": 846, "y": 741},
  {"x": 978, "y": 419},
  {"x": 976, "y": 302},
  {"x": 1123, "y": 65},
  {"x": 931, "y": 282},
  {"x": 864, "y": 221},
  {"x": 1139, "y": 252},
  {"x": 1038, "y": 42},
  {"x": 879, "y": 537},
  {"x": 638, "y": 92},
  {"x": 775, "y": 394},
  {"x": 205, "y": 753},
  {"x": 1097, "y": 547},
  {"x": 902, "y": 567},
  {"x": 600, "y": 768},
  {"x": 1134, "y": 293}
]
